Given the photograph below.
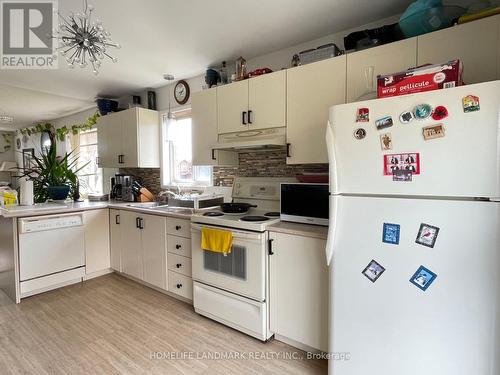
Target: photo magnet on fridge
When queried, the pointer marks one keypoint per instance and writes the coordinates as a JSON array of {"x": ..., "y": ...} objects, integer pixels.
[
  {"x": 390, "y": 233},
  {"x": 470, "y": 103},
  {"x": 384, "y": 122},
  {"x": 427, "y": 235},
  {"x": 373, "y": 271},
  {"x": 363, "y": 115},
  {"x": 423, "y": 278},
  {"x": 407, "y": 161},
  {"x": 433, "y": 131},
  {"x": 402, "y": 175},
  {"x": 386, "y": 141}
]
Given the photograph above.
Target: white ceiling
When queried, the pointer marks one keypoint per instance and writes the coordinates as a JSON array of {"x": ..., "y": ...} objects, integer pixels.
[{"x": 181, "y": 37}]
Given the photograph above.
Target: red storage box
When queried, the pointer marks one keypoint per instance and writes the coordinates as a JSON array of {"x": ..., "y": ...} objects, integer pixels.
[{"x": 422, "y": 78}]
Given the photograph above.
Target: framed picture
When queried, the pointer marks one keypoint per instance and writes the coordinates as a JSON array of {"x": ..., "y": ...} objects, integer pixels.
[
  {"x": 373, "y": 271},
  {"x": 427, "y": 235},
  {"x": 423, "y": 278},
  {"x": 406, "y": 161},
  {"x": 28, "y": 156},
  {"x": 390, "y": 233}
]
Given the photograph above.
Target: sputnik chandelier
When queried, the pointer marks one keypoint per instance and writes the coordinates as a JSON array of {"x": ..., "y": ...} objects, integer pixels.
[{"x": 83, "y": 40}]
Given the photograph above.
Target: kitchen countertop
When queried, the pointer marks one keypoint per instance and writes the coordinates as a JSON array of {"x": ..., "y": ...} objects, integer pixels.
[
  {"x": 306, "y": 230},
  {"x": 55, "y": 208}
]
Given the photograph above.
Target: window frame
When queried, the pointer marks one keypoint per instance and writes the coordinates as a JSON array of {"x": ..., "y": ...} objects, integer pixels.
[
  {"x": 166, "y": 168},
  {"x": 99, "y": 170}
]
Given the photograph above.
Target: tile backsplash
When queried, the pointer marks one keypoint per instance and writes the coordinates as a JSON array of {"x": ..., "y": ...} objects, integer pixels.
[{"x": 251, "y": 164}]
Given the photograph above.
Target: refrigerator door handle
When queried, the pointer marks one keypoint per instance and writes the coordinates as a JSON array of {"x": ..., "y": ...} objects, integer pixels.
[
  {"x": 332, "y": 227},
  {"x": 330, "y": 147}
]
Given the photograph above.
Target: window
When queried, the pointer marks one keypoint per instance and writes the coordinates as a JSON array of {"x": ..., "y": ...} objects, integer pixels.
[
  {"x": 177, "y": 156},
  {"x": 91, "y": 175}
]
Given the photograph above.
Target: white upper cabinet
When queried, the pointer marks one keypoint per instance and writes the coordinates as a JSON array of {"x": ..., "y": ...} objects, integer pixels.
[
  {"x": 129, "y": 138},
  {"x": 311, "y": 90},
  {"x": 385, "y": 59},
  {"x": 475, "y": 43},
  {"x": 267, "y": 101},
  {"x": 204, "y": 131},
  {"x": 232, "y": 105},
  {"x": 255, "y": 103}
]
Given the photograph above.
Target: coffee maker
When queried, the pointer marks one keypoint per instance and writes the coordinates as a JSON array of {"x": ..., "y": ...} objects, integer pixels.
[{"x": 121, "y": 187}]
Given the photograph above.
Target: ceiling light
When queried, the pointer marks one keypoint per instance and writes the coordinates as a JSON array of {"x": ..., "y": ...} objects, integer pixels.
[
  {"x": 83, "y": 40},
  {"x": 169, "y": 78}
]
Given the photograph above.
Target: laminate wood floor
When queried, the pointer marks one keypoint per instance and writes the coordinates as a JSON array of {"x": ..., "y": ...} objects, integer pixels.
[{"x": 112, "y": 325}]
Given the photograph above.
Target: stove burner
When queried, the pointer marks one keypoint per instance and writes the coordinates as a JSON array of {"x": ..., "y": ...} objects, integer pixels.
[
  {"x": 254, "y": 218},
  {"x": 272, "y": 214},
  {"x": 213, "y": 213}
]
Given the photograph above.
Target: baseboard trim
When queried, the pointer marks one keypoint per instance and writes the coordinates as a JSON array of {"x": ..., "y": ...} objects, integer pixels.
[
  {"x": 97, "y": 274},
  {"x": 297, "y": 344}
]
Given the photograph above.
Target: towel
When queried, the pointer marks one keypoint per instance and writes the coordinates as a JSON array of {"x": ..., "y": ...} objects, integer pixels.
[{"x": 218, "y": 241}]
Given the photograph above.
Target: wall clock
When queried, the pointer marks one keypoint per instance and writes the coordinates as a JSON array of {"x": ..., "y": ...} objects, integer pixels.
[{"x": 181, "y": 92}]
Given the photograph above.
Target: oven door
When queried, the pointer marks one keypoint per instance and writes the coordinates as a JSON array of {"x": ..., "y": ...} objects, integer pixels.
[{"x": 242, "y": 272}]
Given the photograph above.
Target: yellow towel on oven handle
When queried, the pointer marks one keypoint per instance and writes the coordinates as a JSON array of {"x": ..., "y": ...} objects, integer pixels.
[{"x": 216, "y": 240}]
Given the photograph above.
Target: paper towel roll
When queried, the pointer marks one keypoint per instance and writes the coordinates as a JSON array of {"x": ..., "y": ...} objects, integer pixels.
[{"x": 26, "y": 190}]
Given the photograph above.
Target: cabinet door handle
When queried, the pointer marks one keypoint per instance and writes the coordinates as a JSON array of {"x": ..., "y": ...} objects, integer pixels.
[
  {"x": 177, "y": 227},
  {"x": 270, "y": 246},
  {"x": 137, "y": 222},
  {"x": 117, "y": 219},
  {"x": 97, "y": 160},
  {"x": 178, "y": 246},
  {"x": 178, "y": 265},
  {"x": 179, "y": 286},
  {"x": 213, "y": 155},
  {"x": 141, "y": 220},
  {"x": 288, "y": 150},
  {"x": 249, "y": 116},
  {"x": 244, "y": 117}
]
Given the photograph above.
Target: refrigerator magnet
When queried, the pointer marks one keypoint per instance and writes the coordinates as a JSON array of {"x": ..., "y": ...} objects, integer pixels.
[
  {"x": 386, "y": 141},
  {"x": 363, "y": 115},
  {"x": 390, "y": 233},
  {"x": 427, "y": 235},
  {"x": 422, "y": 111},
  {"x": 423, "y": 278},
  {"x": 433, "y": 131},
  {"x": 406, "y": 117},
  {"x": 439, "y": 113},
  {"x": 359, "y": 133},
  {"x": 407, "y": 161},
  {"x": 402, "y": 175},
  {"x": 470, "y": 103},
  {"x": 373, "y": 271},
  {"x": 384, "y": 122}
]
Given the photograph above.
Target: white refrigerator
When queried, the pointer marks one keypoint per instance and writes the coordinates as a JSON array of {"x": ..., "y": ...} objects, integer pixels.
[{"x": 413, "y": 244}]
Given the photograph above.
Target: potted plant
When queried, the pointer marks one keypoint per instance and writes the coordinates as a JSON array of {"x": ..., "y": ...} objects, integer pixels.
[{"x": 54, "y": 177}]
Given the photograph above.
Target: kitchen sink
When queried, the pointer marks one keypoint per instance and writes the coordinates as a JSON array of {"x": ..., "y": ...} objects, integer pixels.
[
  {"x": 145, "y": 205},
  {"x": 175, "y": 210}
]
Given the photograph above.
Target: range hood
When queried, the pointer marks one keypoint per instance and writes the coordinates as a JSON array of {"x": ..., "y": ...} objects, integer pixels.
[{"x": 265, "y": 139}]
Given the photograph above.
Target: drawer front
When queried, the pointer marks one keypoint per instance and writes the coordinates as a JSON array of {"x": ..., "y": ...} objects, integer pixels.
[
  {"x": 179, "y": 227},
  {"x": 179, "y": 264},
  {"x": 180, "y": 285},
  {"x": 179, "y": 245}
]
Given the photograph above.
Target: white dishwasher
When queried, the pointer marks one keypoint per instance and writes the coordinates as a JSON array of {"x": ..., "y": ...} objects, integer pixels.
[{"x": 51, "y": 252}]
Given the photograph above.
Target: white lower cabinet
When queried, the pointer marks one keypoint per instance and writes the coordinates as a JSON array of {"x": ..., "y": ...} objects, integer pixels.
[
  {"x": 143, "y": 247},
  {"x": 115, "y": 238},
  {"x": 96, "y": 234},
  {"x": 299, "y": 290},
  {"x": 179, "y": 257}
]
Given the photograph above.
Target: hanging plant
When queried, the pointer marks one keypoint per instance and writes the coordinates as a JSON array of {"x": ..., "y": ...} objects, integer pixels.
[{"x": 63, "y": 131}]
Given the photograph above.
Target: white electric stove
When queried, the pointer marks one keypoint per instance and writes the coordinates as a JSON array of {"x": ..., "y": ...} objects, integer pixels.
[{"x": 233, "y": 288}]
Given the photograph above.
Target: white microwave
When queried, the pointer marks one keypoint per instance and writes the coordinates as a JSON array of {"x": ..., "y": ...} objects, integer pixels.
[{"x": 305, "y": 203}]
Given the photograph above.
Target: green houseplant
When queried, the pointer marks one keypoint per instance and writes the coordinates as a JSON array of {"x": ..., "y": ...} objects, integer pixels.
[{"x": 54, "y": 177}]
